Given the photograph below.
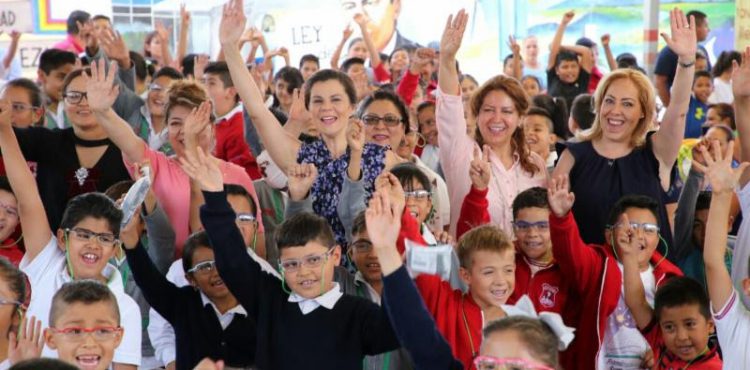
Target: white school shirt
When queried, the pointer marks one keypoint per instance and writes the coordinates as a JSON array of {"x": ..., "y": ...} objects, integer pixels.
[
  {"x": 733, "y": 329},
  {"x": 47, "y": 272},
  {"x": 327, "y": 300}
]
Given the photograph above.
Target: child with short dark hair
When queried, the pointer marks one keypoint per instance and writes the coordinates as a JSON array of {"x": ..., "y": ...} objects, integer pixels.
[
  {"x": 306, "y": 313},
  {"x": 82, "y": 309},
  {"x": 567, "y": 75},
  {"x": 703, "y": 86},
  {"x": 308, "y": 65},
  {"x": 230, "y": 123},
  {"x": 54, "y": 66},
  {"x": 679, "y": 325},
  {"x": 80, "y": 249},
  {"x": 595, "y": 273}
]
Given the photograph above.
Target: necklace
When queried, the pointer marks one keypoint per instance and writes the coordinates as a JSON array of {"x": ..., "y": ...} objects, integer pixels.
[{"x": 91, "y": 143}]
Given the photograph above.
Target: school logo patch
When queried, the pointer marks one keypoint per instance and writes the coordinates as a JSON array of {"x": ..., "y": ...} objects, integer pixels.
[{"x": 547, "y": 298}]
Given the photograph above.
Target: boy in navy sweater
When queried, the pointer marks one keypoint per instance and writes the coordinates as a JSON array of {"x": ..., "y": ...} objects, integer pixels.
[{"x": 305, "y": 314}]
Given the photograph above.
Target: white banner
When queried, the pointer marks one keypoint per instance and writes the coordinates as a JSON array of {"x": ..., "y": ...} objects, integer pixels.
[{"x": 15, "y": 15}]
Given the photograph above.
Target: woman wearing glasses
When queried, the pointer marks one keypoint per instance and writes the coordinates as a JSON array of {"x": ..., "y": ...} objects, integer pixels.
[
  {"x": 74, "y": 160},
  {"x": 498, "y": 106},
  {"x": 207, "y": 319},
  {"x": 189, "y": 124}
]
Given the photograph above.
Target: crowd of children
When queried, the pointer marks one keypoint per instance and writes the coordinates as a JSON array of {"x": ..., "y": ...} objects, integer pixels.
[{"x": 390, "y": 212}]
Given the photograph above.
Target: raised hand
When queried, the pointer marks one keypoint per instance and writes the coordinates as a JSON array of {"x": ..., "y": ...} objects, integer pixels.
[
  {"x": 6, "y": 107},
  {"x": 421, "y": 58},
  {"x": 443, "y": 237},
  {"x": 14, "y": 35},
  {"x": 298, "y": 112},
  {"x": 199, "y": 65},
  {"x": 699, "y": 163},
  {"x": 480, "y": 171},
  {"x": 383, "y": 221},
  {"x": 131, "y": 233},
  {"x": 568, "y": 16},
  {"x": 348, "y": 31},
  {"x": 355, "y": 135},
  {"x": 203, "y": 169},
  {"x": 453, "y": 33},
  {"x": 29, "y": 342},
  {"x": 683, "y": 40},
  {"x": 114, "y": 47},
  {"x": 283, "y": 52},
  {"x": 719, "y": 172},
  {"x": 741, "y": 76},
  {"x": 605, "y": 40},
  {"x": 388, "y": 183},
  {"x": 101, "y": 91},
  {"x": 559, "y": 198},
  {"x": 513, "y": 45},
  {"x": 162, "y": 31},
  {"x": 361, "y": 19},
  {"x": 184, "y": 15},
  {"x": 626, "y": 237},
  {"x": 232, "y": 22},
  {"x": 197, "y": 121},
  {"x": 301, "y": 178}
]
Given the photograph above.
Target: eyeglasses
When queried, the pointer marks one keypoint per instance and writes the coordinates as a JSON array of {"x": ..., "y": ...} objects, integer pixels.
[
  {"x": 525, "y": 227},
  {"x": 155, "y": 88},
  {"x": 311, "y": 261},
  {"x": 9, "y": 210},
  {"x": 373, "y": 120},
  {"x": 648, "y": 228},
  {"x": 103, "y": 239},
  {"x": 203, "y": 268},
  {"x": 99, "y": 333},
  {"x": 5, "y": 302},
  {"x": 20, "y": 107},
  {"x": 417, "y": 194},
  {"x": 245, "y": 218},
  {"x": 494, "y": 363},
  {"x": 75, "y": 97},
  {"x": 361, "y": 246}
]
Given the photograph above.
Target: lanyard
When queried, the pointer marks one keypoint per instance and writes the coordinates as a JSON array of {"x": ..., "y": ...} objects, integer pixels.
[{"x": 468, "y": 332}]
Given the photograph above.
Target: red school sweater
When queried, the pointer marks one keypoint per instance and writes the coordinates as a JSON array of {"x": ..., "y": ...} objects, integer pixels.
[
  {"x": 457, "y": 316},
  {"x": 665, "y": 360},
  {"x": 231, "y": 145},
  {"x": 596, "y": 278}
]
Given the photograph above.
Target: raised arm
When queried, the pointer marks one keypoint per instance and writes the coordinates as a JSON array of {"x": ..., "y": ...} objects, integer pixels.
[
  {"x": 554, "y": 47},
  {"x": 184, "y": 33},
  {"x": 683, "y": 41},
  {"x": 516, "y": 49},
  {"x": 741, "y": 90},
  {"x": 285, "y": 148},
  {"x": 475, "y": 207},
  {"x": 587, "y": 57},
  {"x": 102, "y": 93},
  {"x": 611, "y": 62},
  {"x": 685, "y": 214},
  {"x": 163, "y": 34},
  {"x": 374, "y": 53},
  {"x": 635, "y": 294},
  {"x": 36, "y": 229},
  {"x": 723, "y": 179},
  {"x": 449, "y": 45},
  {"x": 336, "y": 56},
  {"x": 12, "y": 48}
]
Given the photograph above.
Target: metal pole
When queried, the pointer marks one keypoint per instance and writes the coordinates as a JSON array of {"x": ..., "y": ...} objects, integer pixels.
[{"x": 650, "y": 35}]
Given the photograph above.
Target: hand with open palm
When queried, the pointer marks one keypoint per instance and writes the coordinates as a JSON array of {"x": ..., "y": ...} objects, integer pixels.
[
  {"x": 453, "y": 33},
  {"x": 232, "y": 23},
  {"x": 683, "y": 40},
  {"x": 101, "y": 91}
]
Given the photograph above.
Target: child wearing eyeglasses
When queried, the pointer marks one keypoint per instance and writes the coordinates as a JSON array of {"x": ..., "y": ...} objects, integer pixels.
[
  {"x": 608, "y": 333},
  {"x": 304, "y": 319},
  {"x": 80, "y": 249},
  {"x": 226, "y": 331},
  {"x": 85, "y": 325},
  {"x": 513, "y": 342}
]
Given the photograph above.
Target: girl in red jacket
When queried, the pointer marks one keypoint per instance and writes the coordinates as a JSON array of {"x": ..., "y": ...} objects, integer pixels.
[{"x": 612, "y": 339}]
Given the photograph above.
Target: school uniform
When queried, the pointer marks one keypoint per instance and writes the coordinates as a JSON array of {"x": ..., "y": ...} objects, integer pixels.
[
  {"x": 231, "y": 145},
  {"x": 596, "y": 276},
  {"x": 665, "y": 360},
  {"x": 732, "y": 328},
  {"x": 331, "y": 331},
  {"x": 201, "y": 330},
  {"x": 48, "y": 271}
]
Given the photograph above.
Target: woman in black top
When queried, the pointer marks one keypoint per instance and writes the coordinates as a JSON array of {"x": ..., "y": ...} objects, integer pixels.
[{"x": 74, "y": 160}]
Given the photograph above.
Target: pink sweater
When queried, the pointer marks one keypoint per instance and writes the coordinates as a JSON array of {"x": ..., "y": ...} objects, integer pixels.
[
  {"x": 172, "y": 189},
  {"x": 456, "y": 153}
]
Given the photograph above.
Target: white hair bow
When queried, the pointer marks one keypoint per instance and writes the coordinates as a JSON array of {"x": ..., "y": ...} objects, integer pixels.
[{"x": 524, "y": 307}]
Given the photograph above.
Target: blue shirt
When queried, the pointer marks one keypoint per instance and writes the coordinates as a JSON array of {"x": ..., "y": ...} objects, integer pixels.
[{"x": 696, "y": 117}]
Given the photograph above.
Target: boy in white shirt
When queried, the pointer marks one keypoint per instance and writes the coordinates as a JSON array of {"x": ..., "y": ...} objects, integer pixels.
[{"x": 85, "y": 241}]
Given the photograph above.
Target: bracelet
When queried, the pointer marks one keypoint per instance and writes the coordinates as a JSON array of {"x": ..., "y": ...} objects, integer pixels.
[{"x": 687, "y": 65}]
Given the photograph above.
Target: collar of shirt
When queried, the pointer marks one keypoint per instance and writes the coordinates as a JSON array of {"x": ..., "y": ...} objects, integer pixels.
[
  {"x": 327, "y": 300},
  {"x": 110, "y": 273},
  {"x": 237, "y": 109},
  {"x": 359, "y": 279},
  {"x": 226, "y": 318}
]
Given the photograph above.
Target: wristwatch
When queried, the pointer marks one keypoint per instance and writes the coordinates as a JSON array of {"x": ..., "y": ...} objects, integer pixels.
[{"x": 687, "y": 65}]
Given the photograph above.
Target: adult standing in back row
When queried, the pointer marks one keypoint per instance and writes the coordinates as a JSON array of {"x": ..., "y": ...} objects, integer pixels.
[{"x": 666, "y": 63}]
